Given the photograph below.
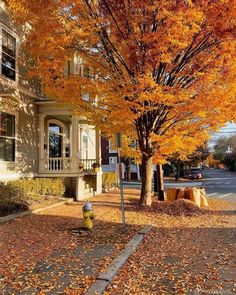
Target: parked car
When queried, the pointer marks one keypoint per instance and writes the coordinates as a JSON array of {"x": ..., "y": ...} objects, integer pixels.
[{"x": 195, "y": 174}]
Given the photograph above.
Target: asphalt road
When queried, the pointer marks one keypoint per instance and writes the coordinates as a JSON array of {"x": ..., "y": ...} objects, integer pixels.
[{"x": 218, "y": 184}]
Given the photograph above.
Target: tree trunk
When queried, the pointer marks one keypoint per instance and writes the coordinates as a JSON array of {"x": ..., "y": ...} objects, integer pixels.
[
  {"x": 178, "y": 169},
  {"x": 160, "y": 181},
  {"x": 128, "y": 169},
  {"x": 146, "y": 190}
]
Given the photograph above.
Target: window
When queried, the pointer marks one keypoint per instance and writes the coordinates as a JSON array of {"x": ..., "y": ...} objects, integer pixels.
[
  {"x": 78, "y": 65},
  {"x": 7, "y": 137},
  {"x": 132, "y": 161},
  {"x": 84, "y": 146},
  {"x": 133, "y": 143},
  {"x": 85, "y": 96},
  {"x": 112, "y": 161},
  {"x": 8, "y": 56},
  {"x": 111, "y": 147},
  {"x": 87, "y": 72}
]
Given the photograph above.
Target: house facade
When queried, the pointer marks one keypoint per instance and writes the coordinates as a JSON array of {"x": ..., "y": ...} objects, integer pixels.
[
  {"x": 41, "y": 137},
  {"x": 110, "y": 161}
]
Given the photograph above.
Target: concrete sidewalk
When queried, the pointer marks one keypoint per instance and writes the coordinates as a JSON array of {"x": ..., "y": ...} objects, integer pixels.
[{"x": 45, "y": 252}]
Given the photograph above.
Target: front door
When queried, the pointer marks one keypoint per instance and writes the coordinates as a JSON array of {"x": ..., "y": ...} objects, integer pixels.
[{"x": 55, "y": 141}]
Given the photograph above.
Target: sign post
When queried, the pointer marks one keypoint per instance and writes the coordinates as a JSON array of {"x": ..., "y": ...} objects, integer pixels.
[{"x": 118, "y": 146}]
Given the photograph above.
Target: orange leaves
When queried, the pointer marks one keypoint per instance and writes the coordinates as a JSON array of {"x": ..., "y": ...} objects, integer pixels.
[{"x": 164, "y": 68}]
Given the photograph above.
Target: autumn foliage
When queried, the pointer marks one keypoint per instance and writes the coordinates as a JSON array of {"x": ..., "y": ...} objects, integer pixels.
[{"x": 164, "y": 70}]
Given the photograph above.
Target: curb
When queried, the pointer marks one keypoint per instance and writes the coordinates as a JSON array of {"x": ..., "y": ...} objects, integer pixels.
[
  {"x": 105, "y": 277},
  {"x": 29, "y": 212}
]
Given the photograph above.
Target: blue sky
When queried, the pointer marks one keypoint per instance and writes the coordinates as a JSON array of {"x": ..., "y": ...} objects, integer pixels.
[{"x": 227, "y": 131}]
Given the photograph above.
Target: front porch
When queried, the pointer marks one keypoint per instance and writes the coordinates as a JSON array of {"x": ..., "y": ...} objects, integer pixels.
[{"x": 68, "y": 145}]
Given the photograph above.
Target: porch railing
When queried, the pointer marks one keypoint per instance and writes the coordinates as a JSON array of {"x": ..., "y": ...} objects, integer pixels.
[
  {"x": 87, "y": 163},
  {"x": 65, "y": 165},
  {"x": 56, "y": 164}
]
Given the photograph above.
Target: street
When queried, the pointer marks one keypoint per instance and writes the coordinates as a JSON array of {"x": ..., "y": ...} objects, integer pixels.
[{"x": 218, "y": 184}]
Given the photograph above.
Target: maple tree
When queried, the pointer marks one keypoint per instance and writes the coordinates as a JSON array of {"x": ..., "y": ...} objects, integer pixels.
[
  {"x": 211, "y": 162},
  {"x": 188, "y": 159},
  {"x": 164, "y": 69}
]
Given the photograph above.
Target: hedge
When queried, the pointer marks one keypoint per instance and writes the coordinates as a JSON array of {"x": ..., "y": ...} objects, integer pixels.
[
  {"x": 41, "y": 186},
  {"x": 18, "y": 194},
  {"x": 109, "y": 179},
  {"x": 12, "y": 198}
]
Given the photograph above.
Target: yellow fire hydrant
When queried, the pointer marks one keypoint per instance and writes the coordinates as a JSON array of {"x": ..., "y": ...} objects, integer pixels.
[{"x": 88, "y": 215}]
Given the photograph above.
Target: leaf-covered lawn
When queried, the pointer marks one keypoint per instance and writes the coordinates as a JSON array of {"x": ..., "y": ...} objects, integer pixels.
[
  {"x": 41, "y": 253},
  {"x": 181, "y": 261},
  {"x": 193, "y": 254}
]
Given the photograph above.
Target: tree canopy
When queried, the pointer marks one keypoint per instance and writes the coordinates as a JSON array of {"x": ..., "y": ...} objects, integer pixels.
[{"x": 162, "y": 69}]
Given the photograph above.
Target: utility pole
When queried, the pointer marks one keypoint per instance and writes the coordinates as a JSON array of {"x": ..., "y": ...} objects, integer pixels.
[{"x": 118, "y": 146}]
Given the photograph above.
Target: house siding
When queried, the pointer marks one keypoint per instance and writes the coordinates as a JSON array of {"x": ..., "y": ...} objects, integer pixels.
[
  {"x": 18, "y": 98},
  {"x": 27, "y": 138}
]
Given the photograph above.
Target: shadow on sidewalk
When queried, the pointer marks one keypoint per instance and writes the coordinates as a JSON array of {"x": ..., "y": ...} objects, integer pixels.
[{"x": 44, "y": 253}]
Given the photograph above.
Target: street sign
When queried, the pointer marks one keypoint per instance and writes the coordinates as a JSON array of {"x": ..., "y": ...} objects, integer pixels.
[
  {"x": 118, "y": 140},
  {"x": 122, "y": 170}
]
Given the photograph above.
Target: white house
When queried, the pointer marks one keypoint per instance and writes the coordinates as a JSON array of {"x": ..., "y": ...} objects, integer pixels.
[{"x": 41, "y": 137}]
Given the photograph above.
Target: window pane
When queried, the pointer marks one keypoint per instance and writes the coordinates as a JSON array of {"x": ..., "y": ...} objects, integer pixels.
[
  {"x": 7, "y": 149},
  {"x": 9, "y": 44},
  {"x": 8, "y": 72},
  {"x": 55, "y": 146},
  {"x": 112, "y": 160},
  {"x": 8, "y": 55},
  {"x": 78, "y": 65},
  {"x": 53, "y": 128},
  {"x": 7, "y": 125},
  {"x": 85, "y": 142},
  {"x": 8, "y": 61},
  {"x": 4, "y": 39},
  {"x": 2, "y": 149},
  {"x": 86, "y": 71},
  {"x": 10, "y": 150}
]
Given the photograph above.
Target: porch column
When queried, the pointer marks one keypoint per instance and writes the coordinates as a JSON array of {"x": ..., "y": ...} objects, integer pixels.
[
  {"x": 98, "y": 160},
  {"x": 80, "y": 186},
  {"x": 41, "y": 142},
  {"x": 74, "y": 143},
  {"x": 98, "y": 147}
]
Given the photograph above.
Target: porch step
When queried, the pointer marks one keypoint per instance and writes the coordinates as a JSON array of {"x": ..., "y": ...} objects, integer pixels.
[
  {"x": 88, "y": 195},
  {"x": 88, "y": 190}
]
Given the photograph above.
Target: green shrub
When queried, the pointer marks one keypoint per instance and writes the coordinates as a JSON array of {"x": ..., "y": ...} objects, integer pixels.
[
  {"x": 12, "y": 198},
  {"x": 109, "y": 180},
  {"x": 42, "y": 186},
  {"x": 17, "y": 195}
]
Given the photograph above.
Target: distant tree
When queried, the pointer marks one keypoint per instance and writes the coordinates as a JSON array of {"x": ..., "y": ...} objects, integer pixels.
[
  {"x": 195, "y": 158},
  {"x": 220, "y": 148},
  {"x": 211, "y": 162},
  {"x": 225, "y": 151},
  {"x": 199, "y": 155}
]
